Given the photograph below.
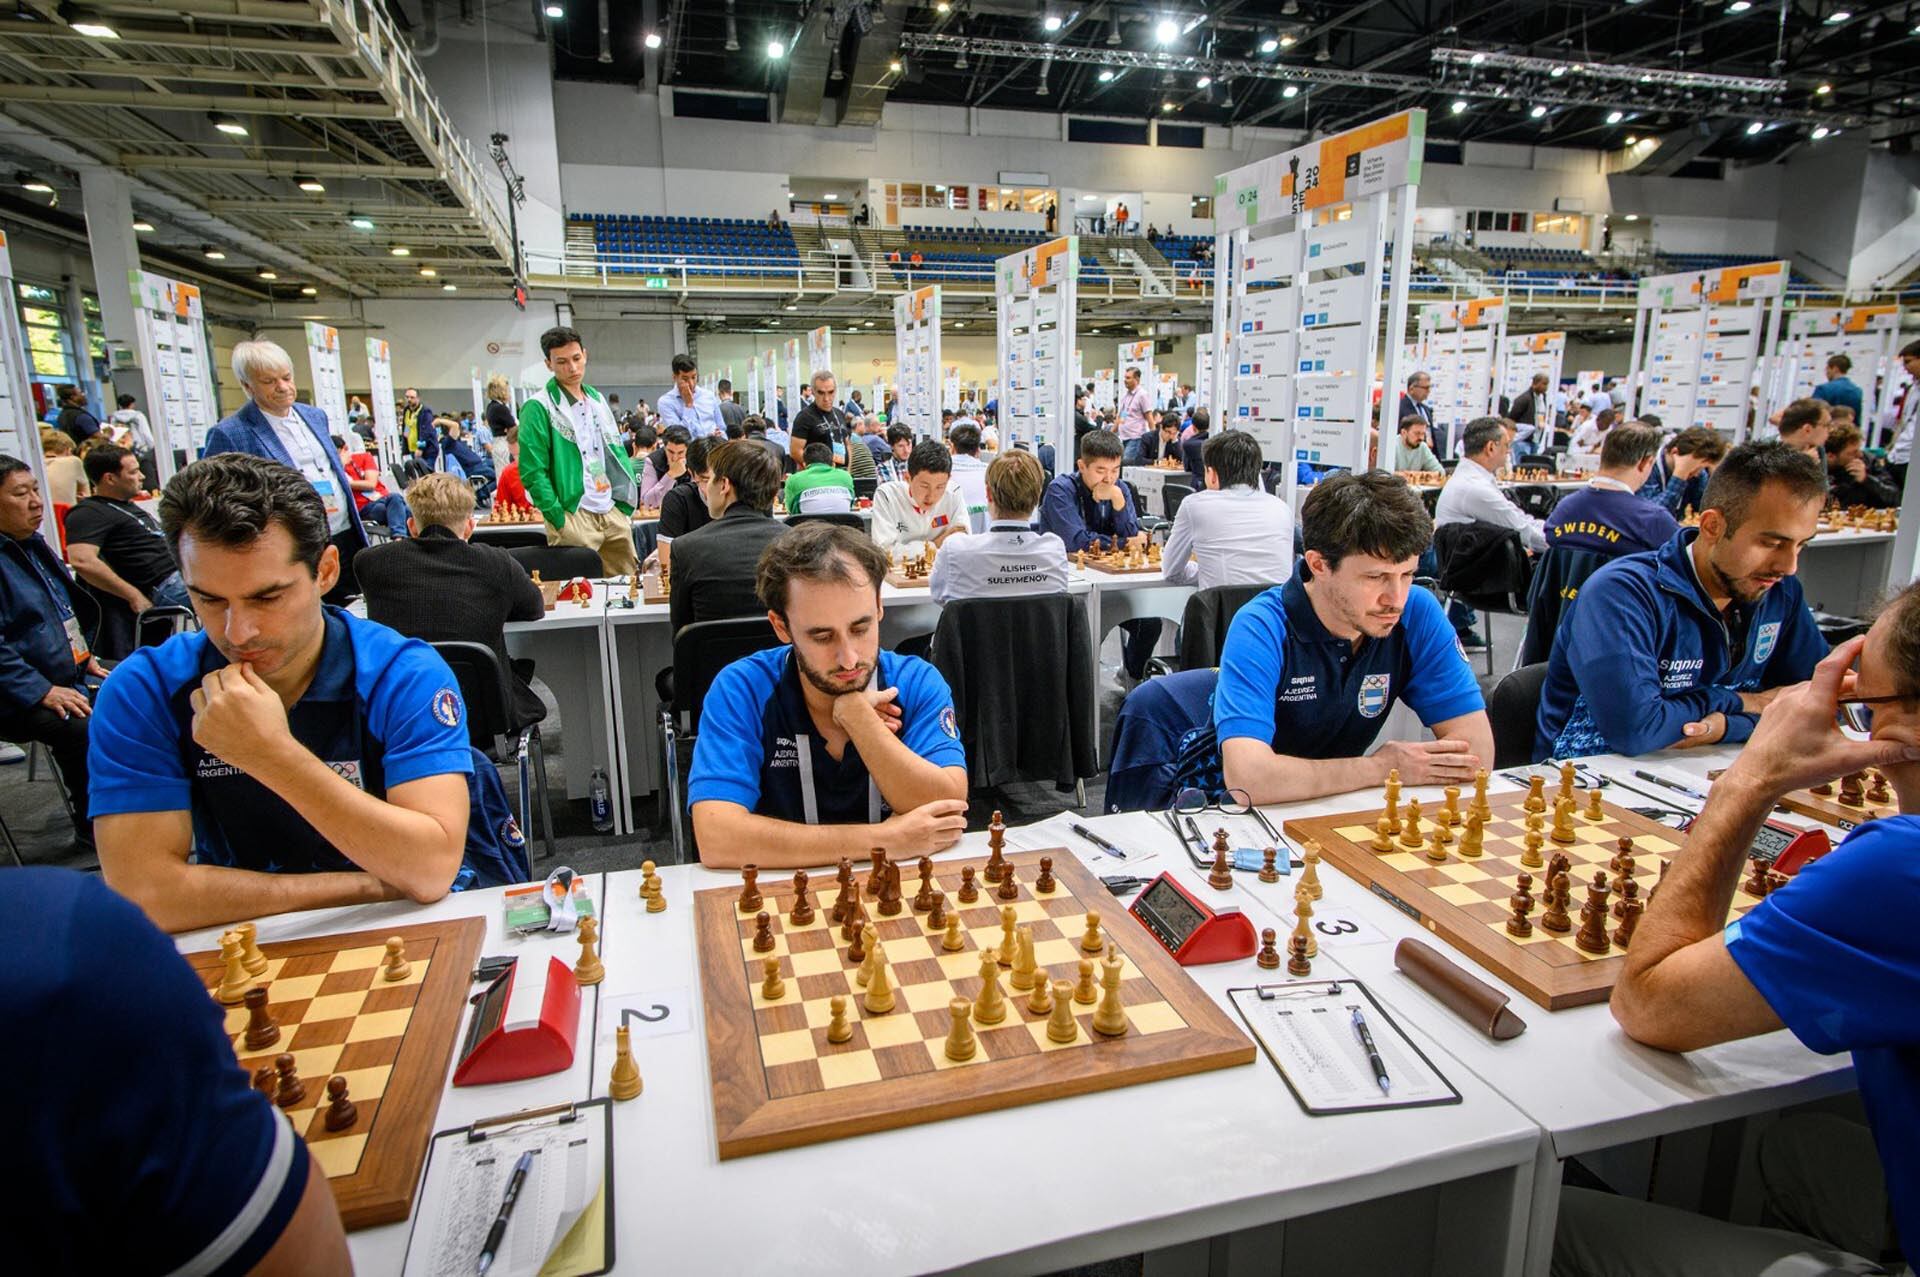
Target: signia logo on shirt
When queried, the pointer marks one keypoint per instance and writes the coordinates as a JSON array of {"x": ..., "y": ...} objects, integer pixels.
[
  {"x": 446, "y": 707},
  {"x": 947, "y": 724},
  {"x": 1764, "y": 640},
  {"x": 1373, "y": 694}
]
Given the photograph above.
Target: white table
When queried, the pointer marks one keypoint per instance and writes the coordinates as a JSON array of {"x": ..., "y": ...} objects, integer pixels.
[
  {"x": 1151, "y": 483},
  {"x": 1846, "y": 572}
]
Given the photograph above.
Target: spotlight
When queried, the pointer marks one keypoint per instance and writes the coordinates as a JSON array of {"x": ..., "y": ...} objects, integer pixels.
[
  {"x": 227, "y": 124},
  {"x": 1166, "y": 31},
  {"x": 1838, "y": 16},
  {"x": 268, "y": 274},
  {"x": 1166, "y": 108},
  {"x": 359, "y": 221},
  {"x": 428, "y": 272},
  {"x": 309, "y": 291},
  {"x": 449, "y": 288},
  {"x": 1477, "y": 59},
  {"x": 1538, "y": 112},
  {"x": 312, "y": 185},
  {"x": 555, "y": 11},
  {"x": 1633, "y": 217},
  {"x": 894, "y": 66},
  {"x": 1755, "y": 127},
  {"x": 1106, "y": 74},
  {"x": 1824, "y": 89},
  {"x": 1203, "y": 81},
  {"x": 29, "y": 182},
  {"x": 1557, "y": 72},
  {"x": 1287, "y": 41},
  {"x": 1740, "y": 6},
  {"x": 942, "y": 7},
  {"x": 143, "y": 226},
  {"x": 1632, "y": 140},
  {"x": 652, "y": 40},
  {"x": 776, "y": 50},
  {"x": 1291, "y": 91},
  {"x": 1269, "y": 45},
  {"x": 1051, "y": 22},
  {"x": 87, "y": 22},
  {"x": 1459, "y": 106},
  {"x": 212, "y": 254},
  {"x": 400, "y": 250},
  {"x": 1820, "y": 131},
  {"x": 1614, "y": 117}
]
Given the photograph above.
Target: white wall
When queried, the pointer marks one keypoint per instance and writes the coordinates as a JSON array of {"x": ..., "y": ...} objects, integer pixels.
[{"x": 1683, "y": 234}]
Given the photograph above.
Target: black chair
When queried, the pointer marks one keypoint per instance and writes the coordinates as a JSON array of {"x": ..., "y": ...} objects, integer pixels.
[
  {"x": 106, "y": 622},
  {"x": 700, "y": 652},
  {"x": 1514, "y": 709},
  {"x": 1171, "y": 495},
  {"x": 158, "y": 624},
  {"x": 1008, "y": 662},
  {"x": 1537, "y": 499},
  {"x": 489, "y": 697},
  {"x": 1148, "y": 522},
  {"x": 1203, "y": 627},
  {"x": 848, "y": 520},
  {"x": 863, "y": 489},
  {"x": 1557, "y": 578},
  {"x": 511, "y": 538},
  {"x": 1484, "y": 566},
  {"x": 558, "y": 562}
]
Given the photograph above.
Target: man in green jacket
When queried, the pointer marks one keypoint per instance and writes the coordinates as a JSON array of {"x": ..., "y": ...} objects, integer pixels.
[{"x": 572, "y": 464}]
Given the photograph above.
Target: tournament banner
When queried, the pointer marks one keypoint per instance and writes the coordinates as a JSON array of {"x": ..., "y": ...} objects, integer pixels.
[
  {"x": 819, "y": 351},
  {"x": 329, "y": 383},
  {"x": 386, "y": 425},
  {"x": 795, "y": 380},
  {"x": 770, "y": 387},
  {"x": 753, "y": 384},
  {"x": 176, "y": 364},
  {"x": 1369, "y": 160}
]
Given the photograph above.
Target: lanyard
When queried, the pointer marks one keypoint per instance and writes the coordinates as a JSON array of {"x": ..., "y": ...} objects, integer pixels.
[
  {"x": 61, "y": 602},
  {"x": 809, "y": 802}
]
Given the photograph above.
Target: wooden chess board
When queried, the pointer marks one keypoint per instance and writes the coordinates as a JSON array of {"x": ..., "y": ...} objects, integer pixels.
[
  {"x": 1828, "y": 809},
  {"x": 393, "y": 1042},
  {"x": 1116, "y": 564},
  {"x": 778, "y": 1083},
  {"x": 897, "y": 576},
  {"x": 1464, "y": 901}
]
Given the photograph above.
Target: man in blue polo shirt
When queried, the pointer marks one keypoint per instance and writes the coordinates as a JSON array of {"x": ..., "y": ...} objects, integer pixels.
[
  {"x": 1832, "y": 956},
  {"x": 828, "y": 746},
  {"x": 1685, "y": 645},
  {"x": 178, "y": 1167},
  {"x": 1310, "y": 667},
  {"x": 289, "y": 755},
  {"x": 1840, "y": 390}
]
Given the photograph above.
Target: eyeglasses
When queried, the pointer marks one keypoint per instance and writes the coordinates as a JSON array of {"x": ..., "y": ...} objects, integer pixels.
[
  {"x": 1857, "y": 711},
  {"x": 1228, "y": 802}
]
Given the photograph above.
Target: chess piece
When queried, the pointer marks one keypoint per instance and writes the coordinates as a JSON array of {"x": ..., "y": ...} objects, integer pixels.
[
  {"x": 1629, "y": 919},
  {"x": 1522, "y": 903},
  {"x": 589, "y": 969},
  {"x": 1622, "y": 875},
  {"x": 962, "y": 1045},
  {"x": 396, "y": 967},
  {"x": 1061, "y": 1026},
  {"x": 996, "y": 843},
  {"x": 1110, "y": 1017},
  {"x": 870, "y": 956},
  {"x": 1851, "y": 792},
  {"x": 749, "y": 889},
  {"x": 856, "y": 915},
  {"x": 234, "y": 980},
  {"x": 1391, "y": 813},
  {"x": 842, "y": 903},
  {"x": 1220, "y": 877},
  {"x": 1566, "y": 781},
  {"x": 289, "y": 1090},
  {"x": 1310, "y": 876},
  {"x": 650, "y": 888},
  {"x": 1269, "y": 956},
  {"x": 341, "y": 1112},
  {"x": 802, "y": 913},
  {"x": 839, "y": 1028},
  {"x": 1093, "y": 941},
  {"x": 1480, "y": 806},
  {"x": 1627, "y": 896},
  {"x": 1592, "y": 936},
  {"x": 265, "y": 1081},
  {"x": 1009, "y": 943},
  {"x": 1756, "y": 883},
  {"x": 1046, "y": 883},
  {"x": 262, "y": 1031},
  {"x": 1450, "y": 814},
  {"x": 1531, "y": 856},
  {"x": 1269, "y": 858},
  {"x": 1297, "y": 964},
  {"x": 923, "y": 898},
  {"x": 1024, "y": 967},
  {"x": 991, "y": 1006},
  {"x": 1878, "y": 794},
  {"x": 953, "y": 941},
  {"x": 1555, "y": 917},
  {"x": 1382, "y": 833},
  {"x": 879, "y": 999},
  {"x": 1563, "y": 820},
  {"x": 624, "y": 1084},
  {"x": 1594, "y": 810},
  {"x": 1009, "y": 884},
  {"x": 937, "y": 912},
  {"x": 763, "y": 933},
  {"x": 1040, "y": 1001},
  {"x": 1410, "y": 832},
  {"x": 256, "y": 962},
  {"x": 889, "y": 905},
  {"x": 1083, "y": 991},
  {"x": 1442, "y": 839},
  {"x": 969, "y": 890},
  {"x": 876, "y": 872},
  {"x": 1536, "y": 794},
  {"x": 1473, "y": 841},
  {"x": 1303, "y": 910},
  {"x": 844, "y": 874},
  {"x": 772, "y": 987}
]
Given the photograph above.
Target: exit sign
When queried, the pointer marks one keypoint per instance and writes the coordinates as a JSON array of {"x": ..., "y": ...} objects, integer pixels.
[{"x": 656, "y": 281}]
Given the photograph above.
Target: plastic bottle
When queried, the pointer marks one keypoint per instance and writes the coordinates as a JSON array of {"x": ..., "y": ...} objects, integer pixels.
[{"x": 600, "y": 802}]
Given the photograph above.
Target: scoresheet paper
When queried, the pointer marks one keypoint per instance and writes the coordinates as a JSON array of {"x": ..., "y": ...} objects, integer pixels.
[{"x": 1306, "y": 1029}]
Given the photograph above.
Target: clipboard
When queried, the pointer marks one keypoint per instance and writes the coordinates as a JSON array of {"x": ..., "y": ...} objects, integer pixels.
[
  {"x": 563, "y": 1224},
  {"x": 1305, "y": 1030}
]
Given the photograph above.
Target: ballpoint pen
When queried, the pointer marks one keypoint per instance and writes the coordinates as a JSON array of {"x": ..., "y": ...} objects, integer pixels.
[
  {"x": 1373, "y": 1055},
  {"x": 1098, "y": 841},
  {"x": 499, "y": 1229},
  {"x": 1664, "y": 783}
]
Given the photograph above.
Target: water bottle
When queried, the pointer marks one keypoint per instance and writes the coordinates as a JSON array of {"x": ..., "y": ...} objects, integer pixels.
[{"x": 600, "y": 802}]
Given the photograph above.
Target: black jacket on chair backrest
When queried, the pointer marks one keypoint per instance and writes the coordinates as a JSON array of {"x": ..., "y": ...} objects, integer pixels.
[
  {"x": 1484, "y": 563},
  {"x": 1204, "y": 621},
  {"x": 1558, "y": 576},
  {"x": 1021, "y": 673}
]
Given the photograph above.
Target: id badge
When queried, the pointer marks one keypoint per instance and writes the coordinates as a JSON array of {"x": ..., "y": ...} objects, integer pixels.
[
  {"x": 329, "y": 496},
  {"x": 76, "y": 641},
  {"x": 597, "y": 475}
]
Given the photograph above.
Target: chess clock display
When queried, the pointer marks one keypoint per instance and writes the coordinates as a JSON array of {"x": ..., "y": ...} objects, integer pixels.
[{"x": 1194, "y": 934}]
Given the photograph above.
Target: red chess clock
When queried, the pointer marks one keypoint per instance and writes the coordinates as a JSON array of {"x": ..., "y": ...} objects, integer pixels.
[
  {"x": 577, "y": 589},
  {"x": 1194, "y": 934},
  {"x": 498, "y": 1051}
]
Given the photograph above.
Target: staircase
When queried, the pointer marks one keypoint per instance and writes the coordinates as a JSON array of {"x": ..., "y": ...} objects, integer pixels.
[
  {"x": 582, "y": 253},
  {"x": 816, "y": 261}
]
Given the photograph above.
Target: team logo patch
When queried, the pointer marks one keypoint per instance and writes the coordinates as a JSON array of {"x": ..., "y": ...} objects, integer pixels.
[
  {"x": 947, "y": 724},
  {"x": 510, "y": 833},
  {"x": 446, "y": 707},
  {"x": 1373, "y": 694},
  {"x": 1764, "y": 639}
]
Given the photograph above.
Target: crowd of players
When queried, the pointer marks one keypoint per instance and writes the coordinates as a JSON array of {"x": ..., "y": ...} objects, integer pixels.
[{"x": 290, "y": 755}]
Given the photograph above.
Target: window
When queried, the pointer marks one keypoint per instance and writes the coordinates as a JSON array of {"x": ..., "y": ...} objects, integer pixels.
[
  {"x": 750, "y": 108},
  {"x": 1200, "y": 207},
  {"x": 1559, "y": 224},
  {"x": 1130, "y": 132},
  {"x": 49, "y": 350},
  {"x": 1193, "y": 136}
]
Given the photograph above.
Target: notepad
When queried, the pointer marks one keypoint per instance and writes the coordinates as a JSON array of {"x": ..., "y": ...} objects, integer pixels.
[
  {"x": 562, "y": 1223},
  {"x": 1306, "y": 1029}
]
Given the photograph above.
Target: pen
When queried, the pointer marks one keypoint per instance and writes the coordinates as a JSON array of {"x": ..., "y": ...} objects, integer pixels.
[
  {"x": 1373, "y": 1055},
  {"x": 499, "y": 1229},
  {"x": 1098, "y": 841},
  {"x": 1664, "y": 783}
]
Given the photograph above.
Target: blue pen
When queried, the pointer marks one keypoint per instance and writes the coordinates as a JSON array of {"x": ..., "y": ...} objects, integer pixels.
[
  {"x": 499, "y": 1229},
  {"x": 1373, "y": 1055}
]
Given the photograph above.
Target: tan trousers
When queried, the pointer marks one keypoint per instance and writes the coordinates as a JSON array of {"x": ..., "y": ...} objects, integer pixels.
[{"x": 610, "y": 535}]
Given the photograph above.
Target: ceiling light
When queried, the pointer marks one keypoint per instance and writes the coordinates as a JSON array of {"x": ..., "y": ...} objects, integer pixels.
[
  {"x": 652, "y": 40},
  {"x": 1754, "y": 128},
  {"x": 428, "y": 272},
  {"x": 1632, "y": 140},
  {"x": 268, "y": 274},
  {"x": 1820, "y": 131},
  {"x": 143, "y": 226},
  {"x": 834, "y": 195},
  {"x": 894, "y": 66},
  {"x": 1459, "y": 105},
  {"x": 1838, "y": 16},
  {"x": 1633, "y": 217},
  {"x": 29, "y": 182},
  {"x": 1614, "y": 117},
  {"x": 1166, "y": 108},
  {"x": 227, "y": 124},
  {"x": 1106, "y": 75},
  {"x": 1287, "y": 41},
  {"x": 449, "y": 288},
  {"x": 309, "y": 291},
  {"x": 1203, "y": 81},
  {"x": 942, "y": 7},
  {"x": 359, "y": 221},
  {"x": 555, "y": 11},
  {"x": 1557, "y": 72},
  {"x": 791, "y": 306},
  {"x": 1824, "y": 89},
  {"x": 1051, "y": 22},
  {"x": 1477, "y": 59},
  {"x": 1166, "y": 31},
  {"x": 212, "y": 253},
  {"x": 312, "y": 185},
  {"x": 1269, "y": 45},
  {"x": 1538, "y": 112},
  {"x": 776, "y": 50},
  {"x": 1740, "y": 6},
  {"x": 868, "y": 324},
  {"x": 959, "y": 323},
  {"x": 87, "y": 22},
  {"x": 400, "y": 250},
  {"x": 1291, "y": 91}
]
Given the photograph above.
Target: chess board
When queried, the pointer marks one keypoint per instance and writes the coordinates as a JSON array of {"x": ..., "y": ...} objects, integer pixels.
[
  {"x": 393, "y": 1042},
  {"x": 1116, "y": 564},
  {"x": 1464, "y": 901},
  {"x": 897, "y": 576},
  {"x": 1828, "y": 809},
  {"x": 778, "y": 1083}
]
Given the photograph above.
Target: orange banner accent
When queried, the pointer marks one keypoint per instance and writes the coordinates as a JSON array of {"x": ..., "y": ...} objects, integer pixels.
[
  {"x": 1043, "y": 259},
  {"x": 1477, "y": 307},
  {"x": 1860, "y": 316},
  {"x": 1335, "y": 150},
  {"x": 1726, "y": 285}
]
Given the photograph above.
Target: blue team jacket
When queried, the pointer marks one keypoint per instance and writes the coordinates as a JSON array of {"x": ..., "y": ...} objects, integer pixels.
[{"x": 1641, "y": 653}]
